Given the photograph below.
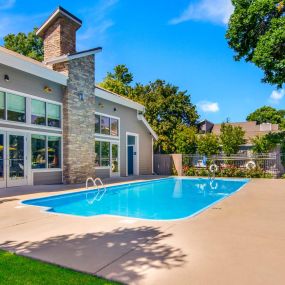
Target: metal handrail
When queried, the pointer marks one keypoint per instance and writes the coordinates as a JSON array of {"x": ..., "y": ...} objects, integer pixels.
[{"x": 99, "y": 195}]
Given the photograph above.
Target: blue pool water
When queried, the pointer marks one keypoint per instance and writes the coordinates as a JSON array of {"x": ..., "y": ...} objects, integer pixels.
[{"x": 163, "y": 199}]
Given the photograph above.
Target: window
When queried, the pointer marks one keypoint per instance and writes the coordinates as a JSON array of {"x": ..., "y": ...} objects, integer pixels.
[
  {"x": 105, "y": 125},
  {"x": 53, "y": 115},
  {"x": 38, "y": 112},
  {"x": 2, "y": 105},
  {"x": 46, "y": 152},
  {"x": 114, "y": 127},
  {"x": 115, "y": 158},
  {"x": 102, "y": 153},
  {"x": 54, "y": 152},
  {"x": 16, "y": 108},
  {"x": 97, "y": 124},
  {"x": 38, "y": 151},
  {"x": 131, "y": 140}
]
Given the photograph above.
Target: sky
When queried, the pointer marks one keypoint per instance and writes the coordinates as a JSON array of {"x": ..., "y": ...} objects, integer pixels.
[{"x": 180, "y": 41}]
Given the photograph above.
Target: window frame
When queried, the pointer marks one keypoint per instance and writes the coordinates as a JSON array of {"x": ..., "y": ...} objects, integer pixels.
[
  {"x": 47, "y": 168},
  {"x": 110, "y": 118},
  {"x": 28, "y": 112}
]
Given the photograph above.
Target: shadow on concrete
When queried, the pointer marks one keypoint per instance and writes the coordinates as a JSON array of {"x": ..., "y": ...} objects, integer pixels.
[{"x": 122, "y": 254}]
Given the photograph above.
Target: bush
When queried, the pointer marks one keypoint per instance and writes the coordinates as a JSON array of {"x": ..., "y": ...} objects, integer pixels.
[{"x": 228, "y": 171}]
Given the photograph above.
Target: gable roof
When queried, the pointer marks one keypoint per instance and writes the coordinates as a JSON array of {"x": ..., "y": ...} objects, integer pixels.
[
  {"x": 111, "y": 96},
  {"x": 116, "y": 98},
  {"x": 31, "y": 66}
]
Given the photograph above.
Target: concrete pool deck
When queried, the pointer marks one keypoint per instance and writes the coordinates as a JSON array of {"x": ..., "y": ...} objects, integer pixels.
[{"x": 240, "y": 240}]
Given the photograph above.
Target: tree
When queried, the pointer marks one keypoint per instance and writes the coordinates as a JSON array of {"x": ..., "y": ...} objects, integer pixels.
[
  {"x": 119, "y": 81},
  {"x": 256, "y": 33},
  {"x": 231, "y": 138},
  {"x": 26, "y": 44},
  {"x": 208, "y": 144},
  {"x": 185, "y": 139},
  {"x": 267, "y": 114},
  {"x": 262, "y": 144},
  {"x": 168, "y": 109}
]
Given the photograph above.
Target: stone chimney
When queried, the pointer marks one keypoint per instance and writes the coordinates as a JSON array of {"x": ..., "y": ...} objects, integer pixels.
[{"x": 59, "y": 36}]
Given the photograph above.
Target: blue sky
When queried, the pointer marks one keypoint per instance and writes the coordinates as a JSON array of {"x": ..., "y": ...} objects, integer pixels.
[{"x": 182, "y": 42}]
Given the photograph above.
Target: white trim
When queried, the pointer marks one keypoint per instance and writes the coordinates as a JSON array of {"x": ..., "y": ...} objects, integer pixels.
[
  {"x": 68, "y": 57},
  {"x": 142, "y": 118},
  {"x": 99, "y": 136},
  {"x": 115, "y": 98},
  {"x": 19, "y": 62},
  {"x": 46, "y": 170},
  {"x": 137, "y": 150},
  {"x": 28, "y": 111},
  {"x": 32, "y": 132}
]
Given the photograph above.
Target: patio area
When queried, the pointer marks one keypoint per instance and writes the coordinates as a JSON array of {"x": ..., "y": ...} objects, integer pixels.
[{"x": 240, "y": 240}]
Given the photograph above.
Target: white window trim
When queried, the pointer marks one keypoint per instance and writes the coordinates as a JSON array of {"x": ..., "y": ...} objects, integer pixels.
[
  {"x": 119, "y": 155},
  {"x": 137, "y": 170},
  {"x": 109, "y": 136},
  {"x": 28, "y": 111}
]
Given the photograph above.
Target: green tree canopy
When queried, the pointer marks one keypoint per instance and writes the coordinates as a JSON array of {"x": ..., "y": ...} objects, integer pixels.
[
  {"x": 256, "y": 33},
  {"x": 231, "y": 138},
  {"x": 168, "y": 109},
  {"x": 26, "y": 44},
  {"x": 185, "y": 139},
  {"x": 267, "y": 114},
  {"x": 262, "y": 144},
  {"x": 208, "y": 144}
]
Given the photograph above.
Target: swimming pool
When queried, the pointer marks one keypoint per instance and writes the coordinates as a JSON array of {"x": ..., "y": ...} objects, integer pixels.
[{"x": 161, "y": 199}]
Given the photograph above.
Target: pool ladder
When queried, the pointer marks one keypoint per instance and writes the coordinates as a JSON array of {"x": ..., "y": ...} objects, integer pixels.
[{"x": 99, "y": 194}]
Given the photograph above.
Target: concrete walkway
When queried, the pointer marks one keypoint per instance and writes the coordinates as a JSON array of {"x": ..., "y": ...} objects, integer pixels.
[{"x": 240, "y": 240}]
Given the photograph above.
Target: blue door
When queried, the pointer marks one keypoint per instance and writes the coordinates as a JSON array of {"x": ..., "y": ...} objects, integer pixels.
[{"x": 130, "y": 160}]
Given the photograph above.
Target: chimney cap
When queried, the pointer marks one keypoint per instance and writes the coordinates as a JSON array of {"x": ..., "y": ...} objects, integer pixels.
[{"x": 60, "y": 11}]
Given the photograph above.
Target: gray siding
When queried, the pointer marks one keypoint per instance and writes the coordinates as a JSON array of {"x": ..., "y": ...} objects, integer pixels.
[
  {"x": 23, "y": 82},
  {"x": 129, "y": 123},
  {"x": 47, "y": 178}
]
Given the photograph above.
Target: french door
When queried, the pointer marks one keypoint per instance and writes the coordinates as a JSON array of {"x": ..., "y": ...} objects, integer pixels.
[
  {"x": 115, "y": 163},
  {"x": 13, "y": 159}
]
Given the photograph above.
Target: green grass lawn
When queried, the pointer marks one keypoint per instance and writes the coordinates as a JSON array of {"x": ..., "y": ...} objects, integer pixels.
[{"x": 19, "y": 270}]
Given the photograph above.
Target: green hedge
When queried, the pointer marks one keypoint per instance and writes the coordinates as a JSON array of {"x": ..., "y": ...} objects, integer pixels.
[{"x": 228, "y": 172}]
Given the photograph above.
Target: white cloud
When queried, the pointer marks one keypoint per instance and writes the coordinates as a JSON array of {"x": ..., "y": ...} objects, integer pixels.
[
  {"x": 276, "y": 96},
  {"x": 7, "y": 4},
  {"x": 209, "y": 107},
  {"x": 97, "y": 22},
  {"x": 217, "y": 11}
]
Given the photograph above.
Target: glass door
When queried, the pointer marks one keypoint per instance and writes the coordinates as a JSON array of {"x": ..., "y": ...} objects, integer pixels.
[
  {"x": 115, "y": 169},
  {"x": 16, "y": 160},
  {"x": 2, "y": 161}
]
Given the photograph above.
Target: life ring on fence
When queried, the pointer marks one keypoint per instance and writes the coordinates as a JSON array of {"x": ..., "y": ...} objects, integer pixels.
[
  {"x": 250, "y": 165},
  {"x": 214, "y": 184},
  {"x": 213, "y": 168}
]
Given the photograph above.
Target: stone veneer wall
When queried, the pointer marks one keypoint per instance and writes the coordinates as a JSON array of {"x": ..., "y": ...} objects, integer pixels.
[{"x": 79, "y": 121}]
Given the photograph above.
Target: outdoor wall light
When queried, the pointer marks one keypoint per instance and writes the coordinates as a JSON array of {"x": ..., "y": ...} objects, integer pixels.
[
  {"x": 115, "y": 109},
  {"x": 81, "y": 96},
  {"x": 47, "y": 89},
  {"x": 6, "y": 77},
  {"x": 101, "y": 105}
]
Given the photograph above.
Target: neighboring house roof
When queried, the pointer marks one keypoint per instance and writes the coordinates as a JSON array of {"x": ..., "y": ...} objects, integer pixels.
[
  {"x": 113, "y": 97},
  {"x": 252, "y": 129},
  {"x": 57, "y": 13},
  {"x": 31, "y": 66}
]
